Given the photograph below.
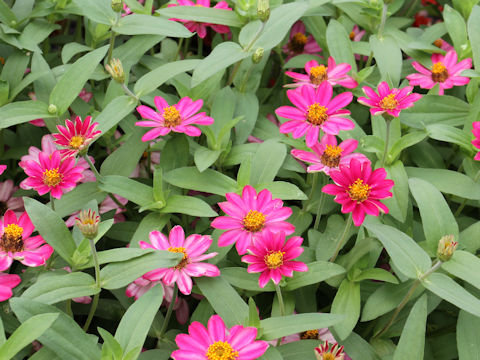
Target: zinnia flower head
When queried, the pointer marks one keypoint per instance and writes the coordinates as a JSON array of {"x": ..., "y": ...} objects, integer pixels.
[
  {"x": 445, "y": 71},
  {"x": 199, "y": 27},
  {"x": 217, "y": 342},
  {"x": 177, "y": 118},
  {"x": 315, "y": 110},
  {"x": 476, "y": 141},
  {"x": 51, "y": 174},
  {"x": 76, "y": 136},
  {"x": 87, "y": 222},
  {"x": 299, "y": 42},
  {"x": 356, "y": 34},
  {"x": 316, "y": 74},
  {"x": 192, "y": 248},
  {"x": 7, "y": 283},
  {"x": 359, "y": 189},
  {"x": 327, "y": 352},
  {"x": 17, "y": 244},
  {"x": 390, "y": 101},
  {"x": 327, "y": 154},
  {"x": 442, "y": 44},
  {"x": 249, "y": 216}
]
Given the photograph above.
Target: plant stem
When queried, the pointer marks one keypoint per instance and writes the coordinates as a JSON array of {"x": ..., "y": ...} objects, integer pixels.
[
  {"x": 387, "y": 138},
  {"x": 383, "y": 21},
  {"x": 464, "y": 202},
  {"x": 93, "y": 308},
  {"x": 113, "y": 34},
  {"x": 128, "y": 92},
  {"x": 312, "y": 191},
  {"x": 281, "y": 305},
  {"x": 369, "y": 60},
  {"x": 234, "y": 72},
  {"x": 199, "y": 46},
  {"x": 318, "y": 215},
  {"x": 180, "y": 42},
  {"x": 69, "y": 308},
  {"x": 169, "y": 311},
  {"x": 52, "y": 202},
  {"x": 342, "y": 239}
]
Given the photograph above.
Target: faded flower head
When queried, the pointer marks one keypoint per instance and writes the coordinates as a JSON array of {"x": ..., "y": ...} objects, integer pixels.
[
  {"x": 115, "y": 69},
  {"x": 87, "y": 222},
  {"x": 446, "y": 247}
]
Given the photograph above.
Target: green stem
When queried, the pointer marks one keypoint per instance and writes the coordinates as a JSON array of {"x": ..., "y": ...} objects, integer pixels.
[
  {"x": 69, "y": 308},
  {"x": 94, "y": 305},
  {"x": 383, "y": 21},
  {"x": 129, "y": 92},
  {"x": 369, "y": 60},
  {"x": 342, "y": 238},
  {"x": 312, "y": 191},
  {"x": 169, "y": 311},
  {"x": 281, "y": 305},
  {"x": 200, "y": 46},
  {"x": 113, "y": 34},
  {"x": 387, "y": 138},
  {"x": 233, "y": 73},
  {"x": 318, "y": 215},
  {"x": 178, "y": 48},
  {"x": 464, "y": 202},
  {"x": 52, "y": 202}
]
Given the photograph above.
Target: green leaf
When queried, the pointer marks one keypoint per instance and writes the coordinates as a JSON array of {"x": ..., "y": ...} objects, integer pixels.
[
  {"x": 468, "y": 335},
  {"x": 51, "y": 227},
  {"x": 271, "y": 354},
  {"x": 204, "y": 157},
  {"x": 188, "y": 205},
  {"x": 52, "y": 288},
  {"x": 283, "y": 190},
  {"x": 299, "y": 350},
  {"x": 203, "y": 14},
  {"x": 376, "y": 274},
  {"x": 74, "y": 79},
  {"x": 72, "y": 49},
  {"x": 398, "y": 203},
  {"x": 246, "y": 106},
  {"x": 209, "y": 181},
  {"x": 405, "y": 253},
  {"x": 465, "y": 266},
  {"x": 388, "y": 57},
  {"x": 347, "y": 302},
  {"x": 6, "y": 14},
  {"x": 240, "y": 278},
  {"x": 136, "y": 24},
  {"x": 277, "y": 327},
  {"x": 404, "y": 142},
  {"x": 99, "y": 11},
  {"x": 75, "y": 200},
  {"x": 110, "y": 347},
  {"x": 133, "y": 328},
  {"x": 339, "y": 44},
  {"x": 22, "y": 111},
  {"x": 114, "y": 112},
  {"x": 223, "y": 109},
  {"x": 25, "y": 334},
  {"x": 132, "y": 190},
  {"x": 456, "y": 28},
  {"x": 317, "y": 272},
  {"x": 412, "y": 340},
  {"x": 437, "y": 219},
  {"x": 474, "y": 34},
  {"x": 358, "y": 348},
  {"x": 267, "y": 162},
  {"x": 117, "y": 275},
  {"x": 117, "y": 255},
  {"x": 450, "y": 134}
]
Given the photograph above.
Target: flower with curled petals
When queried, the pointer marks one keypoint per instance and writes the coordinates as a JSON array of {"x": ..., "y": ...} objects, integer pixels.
[
  {"x": 217, "y": 342},
  {"x": 177, "y": 118},
  {"x": 358, "y": 189},
  {"x": 7, "y": 283},
  {"x": 249, "y": 216}
]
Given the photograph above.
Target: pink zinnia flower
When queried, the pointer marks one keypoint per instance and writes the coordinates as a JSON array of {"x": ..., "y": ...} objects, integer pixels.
[
  {"x": 315, "y": 110},
  {"x": 85, "y": 95},
  {"x": 7, "y": 283},
  {"x": 199, "y": 27},
  {"x": 316, "y": 74},
  {"x": 273, "y": 257},
  {"x": 476, "y": 141},
  {"x": 76, "y": 136},
  {"x": 192, "y": 248},
  {"x": 177, "y": 118},
  {"x": 356, "y": 34},
  {"x": 216, "y": 342},
  {"x": 359, "y": 189},
  {"x": 7, "y": 201},
  {"x": 249, "y": 216},
  {"x": 328, "y": 155},
  {"x": 51, "y": 174},
  {"x": 2, "y": 169},
  {"x": 324, "y": 352},
  {"x": 299, "y": 42},
  {"x": 391, "y": 101},
  {"x": 445, "y": 72},
  {"x": 16, "y": 243}
]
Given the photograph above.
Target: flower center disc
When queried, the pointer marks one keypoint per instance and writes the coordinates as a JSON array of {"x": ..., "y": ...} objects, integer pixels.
[
  {"x": 438, "y": 43},
  {"x": 184, "y": 260},
  {"x": 359, "y": 191},
  {"x": 439, "y": 72},
  {"x": 389, "y": 102},
  {"x": 76, "y": 142},
  {"x": 254, "y": 221},
  {"x": 298, "y": 42},
  {"x": 274, "y": 259},
  {"x": 331, "y": 156},
  {"x": 328, "y": 356},
  {"x": 11, "y": 240},
  {"x": 52, "y": 177},
  {"x": 317, "y": 114},
  {"x": 221, "y": 350},
  {"x": 310, "y": 334},
  {"x": 318, "y": 74},
  {"x": 171, "y": 117},
  {"x": 351, "y": 35}
]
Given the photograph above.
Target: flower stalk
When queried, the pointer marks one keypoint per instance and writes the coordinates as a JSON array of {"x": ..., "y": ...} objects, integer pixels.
[
  {"x": 342, "y": 238},
  {"x": 169, "y": 311}
]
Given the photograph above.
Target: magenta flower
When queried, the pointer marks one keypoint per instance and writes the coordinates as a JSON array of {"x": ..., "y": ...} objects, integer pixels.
[
  {"x": 177, "y": 118},
  {"x": 391, "y": 101},
  {"x": 199, "y": 27},
  {"x": 315, "y": 110},
  {"x": 51, "y": 174},
  {"x": 445, "y": 72},
  {"x": 476, "y": 141},
  {"x": 328, "y": 155},
  {"x": 192, "y": 248},
  {"x": 316, "y": 74},
  {"x": 216, "y": 342},
  {"x": 273, "y": 257},
  {"x": 325, "y": 351},
  {"x": 359, "y": 189},
  {"x": 249, "y": 216},
  {"x": 299, "y": 42},
  {"x": 76, "y": 137},
  {"x": 2, "y": 169},
  {"x": 7, "y": 201},
  {"x": 442, "y": 44},
  {"x": 17, "y": 244},
  {"x": 7, "y": 283}
]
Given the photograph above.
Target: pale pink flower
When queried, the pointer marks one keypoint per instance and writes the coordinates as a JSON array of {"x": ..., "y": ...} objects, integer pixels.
[
  {"x": 325, "y": 351},
  {"x": 7, "y": 201},
  {"x": 7, "y": 283},
  {"x": 85, "y": 95},
  {"x": 299, "y": 42},
  {"x": 140, "y": 286},
  {"x": 105, "y": 206},
  {"x": 76, "y": 136},
  {"x": 476, "y": 141}
]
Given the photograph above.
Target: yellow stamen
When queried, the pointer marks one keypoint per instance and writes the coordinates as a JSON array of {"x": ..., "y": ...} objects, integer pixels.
[
  {"x": 171, "y": 116},
  {"x": 328, "y": 356},
  {"x": 359, "y": 191},
  {"x": 389, "y": 102},
  {"x": 310, "y": 334},
  {"x": 12, "y": 240},
  {"x": 76, "y": 141},
  {"x": 274, "y": 259},
  {"x": 298, "y": 42},
  {"x": 317, "y": 114},
  {"x": 254, "y": 221},
  {"x": 221, "y": 350},
  {"x": 184, "y": 260},
  {"x": 318, "y": 74},
  {"x": 331, "y": 156},
  {"x": 52, "y": 177},
  {"x": 439, "y": 72}
]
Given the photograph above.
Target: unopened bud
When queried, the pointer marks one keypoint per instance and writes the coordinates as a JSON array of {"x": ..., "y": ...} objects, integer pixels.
[
  {"x": 87, "y": 222},
  {"x": 257, "y": 55},
  {"x": 52, "y": 109},
  {"x": 446, "y": 247},
  {"x": 263, "y": 9},
  {"x": 117, "y": 5},
  {"x": 115, "y": 69}
]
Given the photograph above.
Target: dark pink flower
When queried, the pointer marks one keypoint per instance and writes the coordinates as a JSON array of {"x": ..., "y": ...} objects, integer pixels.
[
  {"x": 216, "y": 342},
  {"x": 391, "y": 101},
  {"x": 476, "y": 141},
  {"x": 359, "y": 189},
  {"x": 76, "y": 136},
  {"x": 2, "y": 169},
  {"x": 7, "y": 283},
  {"x": 299, "y": 42},
  {"x": 315, "y": 110}
]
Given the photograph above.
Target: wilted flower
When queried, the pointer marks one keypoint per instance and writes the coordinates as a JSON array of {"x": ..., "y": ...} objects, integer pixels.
[
  {"x": 325, "y": 352},
  {"x": 76, "y": 136},
  {"x": 87, "y": 222},
  {"x": 115, "y": 69},
  {"x": 446, "y": 247}
]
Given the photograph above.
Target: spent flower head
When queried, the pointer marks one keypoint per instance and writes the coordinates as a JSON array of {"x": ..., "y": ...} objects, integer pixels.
[
  {"x": 115, "y": 69},
  {"x": 446, "y": 247}
]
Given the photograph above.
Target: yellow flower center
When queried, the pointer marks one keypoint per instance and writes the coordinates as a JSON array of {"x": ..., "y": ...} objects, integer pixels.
[
  {"x": 254, "y": 221},
  {"x": 310, "y": 334},
  {"x": 76, "y": 142},
  {"x": 328, "y": 356},
  {"x": 331, "y": 156},
  {"x": 11, "y": 240},
  {"x": 439, "y": 72},
  {"x": 274, "y": 259},
  {"x": 351, "y": 35},
  {"x": 359, "y": 191},
  {"x": 52, "y": 177},
  {"x": 297, "y": 43},
  {"x": 438, "y": 43},
  {"x": 184, "y": 260},
  {"x": 318, "y": 74},
  {"x": 389, "y": 102},
  {"x": 171, "y": 116},
  {"x": 221, "y": 350},
  {"x": 317, "y": 114}
]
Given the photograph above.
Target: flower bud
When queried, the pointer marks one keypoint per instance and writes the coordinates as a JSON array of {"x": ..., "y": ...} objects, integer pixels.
[
  {"x": 87, "y": 222},
  {"x": 263, "y": 9},
  {"x": 257, "y": 55},
  {"x": 115, "y": 69},
  {"x": 117, "y": 5},
  {"x": 52, "y": 109},
  {"x": 446, "y": 248}
]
